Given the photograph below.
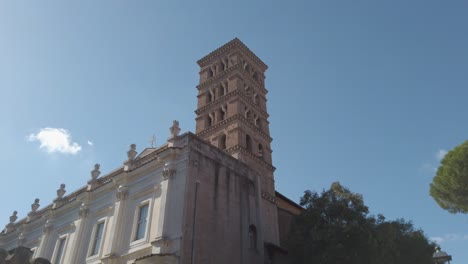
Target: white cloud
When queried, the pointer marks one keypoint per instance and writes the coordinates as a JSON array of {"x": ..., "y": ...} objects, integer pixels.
[
  {"x": 55, "y": 140},
  {"x": 90, "y": 143},
  {"x": 441, "y": 154}
]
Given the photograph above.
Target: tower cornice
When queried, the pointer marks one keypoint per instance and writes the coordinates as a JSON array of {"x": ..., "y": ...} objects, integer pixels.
[
  {"x": 238, "y": 148},
  {"x": 226, "y": 97},
  {"x": 231, "y": 119},
  {"x": 221, "y": 75},
  {"x": 231, "y": 45}
]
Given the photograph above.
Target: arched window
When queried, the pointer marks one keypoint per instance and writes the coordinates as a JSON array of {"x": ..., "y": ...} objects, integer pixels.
[
  {"x": 248, "y": 90},
  {"x": 260, "y": 150},
  {"x": 220, "y": 91},
  {"x": 248, "y": 142},
  {"x": 209, "y": 120},
  {"x": 248, "y": 115},
  {"x": 252, "y": 237},
  {"x": 210, "y": 73},
  {"x": 258, "y": 123},
  {"x": 223, "y": 114},
  {"x": 256, "y": 100},
  {"x": 222, "y": 142},
  {"x": 209, "y": 97}
]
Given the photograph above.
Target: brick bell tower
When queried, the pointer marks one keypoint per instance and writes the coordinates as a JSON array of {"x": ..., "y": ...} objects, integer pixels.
[{"x": 232, "y": 115}]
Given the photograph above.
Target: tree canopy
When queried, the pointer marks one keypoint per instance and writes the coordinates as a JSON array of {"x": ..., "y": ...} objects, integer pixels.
[
  {"x": 449, "y": 188},
  {"x": 335, "y": 227}
]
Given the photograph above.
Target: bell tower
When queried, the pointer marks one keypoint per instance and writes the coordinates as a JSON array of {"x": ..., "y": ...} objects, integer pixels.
[{"x": 232, "y": 115}]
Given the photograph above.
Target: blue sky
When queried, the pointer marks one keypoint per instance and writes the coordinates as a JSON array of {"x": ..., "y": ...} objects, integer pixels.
[{"x": 368, "y": 93}]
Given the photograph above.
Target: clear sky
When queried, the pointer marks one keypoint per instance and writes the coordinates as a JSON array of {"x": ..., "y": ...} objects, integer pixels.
[{"x": 368, "y": 93}]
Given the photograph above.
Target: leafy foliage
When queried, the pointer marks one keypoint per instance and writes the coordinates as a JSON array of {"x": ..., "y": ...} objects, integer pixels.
[
  {"x": 450, "y": 184},
  {"x": 335, "y": 228}
]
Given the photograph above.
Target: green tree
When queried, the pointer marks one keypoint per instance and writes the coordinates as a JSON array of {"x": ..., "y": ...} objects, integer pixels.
[
  {"x": 449, "y": 188},
  {"x": 335, "y": 228}
]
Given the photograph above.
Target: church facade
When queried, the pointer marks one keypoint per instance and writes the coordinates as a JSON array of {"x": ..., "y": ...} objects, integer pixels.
[{"x": 207, "y": 197}]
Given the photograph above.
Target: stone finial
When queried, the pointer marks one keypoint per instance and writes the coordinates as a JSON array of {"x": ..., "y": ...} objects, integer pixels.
[
  {"x": 174, "y": 129},
  {"x": 13, "y": 217},
  {"x": 131, "y": 154},
  {"x": 35, "y": 205},
  {"x": 61, "y": 192},
  {"x": 95, "y": 173},
  {"x": 11, "y": 225}
]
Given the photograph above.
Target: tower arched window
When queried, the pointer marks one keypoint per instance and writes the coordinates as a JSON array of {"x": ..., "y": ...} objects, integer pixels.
[
  {"x": 220, "y": 91},
  {"x": 248, "y": 142},
  {"x": 222, "y": 142},
  {"x": 210, "y": 73},
  {"x": 256, "y": 100},
  {"x": 223, "y": 114},
  {"x": 252, "y": 237},
  {"x": 258, "y": 123},
  {"x": 248, "y": 90},
  {"x": 209, "y": 120},
  {"x": 260, "y": 150},
  {"x": 209, "y": 97},
  {"x": 249, "y": 115}
]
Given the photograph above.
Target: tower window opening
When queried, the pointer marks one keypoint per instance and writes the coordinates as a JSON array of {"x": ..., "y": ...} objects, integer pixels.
[
  {"x": 248, "y": 142},
  {"x": 252, "y": 237},
  {"x": 209, "y": 97},
  {"x": 220, "y": 91},
  {"x": 260, "y": 150},
  {"x": 210, "y": 73},
  {"x": 249, "y": 115},
  {"x": 222, "y": 114},
  {"x": 258, "y": 123},
  {"x": 209, "y": 120},
  {"x": 255, "y": 76},
  {"x": 248, "y": 90},
  {"x": 222, "y": 142},
  {"x": 256, "y": 100}
]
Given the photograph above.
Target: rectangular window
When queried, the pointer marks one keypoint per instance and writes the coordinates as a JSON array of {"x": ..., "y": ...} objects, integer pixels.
[
  {"x": 60, "y": 250},
  {"x": 97, "y": 239},
  {"x": 142, "y": 222}
]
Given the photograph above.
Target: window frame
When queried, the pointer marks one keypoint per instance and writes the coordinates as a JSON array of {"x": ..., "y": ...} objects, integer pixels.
[
  {"x": 134, "y": 238},
  {"x": 55, "y": 259},
  {"x": 92, "y": 245}
]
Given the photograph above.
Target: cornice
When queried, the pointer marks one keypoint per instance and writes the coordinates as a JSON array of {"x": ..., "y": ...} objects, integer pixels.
[
  {"x": 225, "y": 97},
  {"x": 221, "y": 75},
  {"x": 238, "y": 148},
  {"x": 103, "y": 181},
  {"x": 235, "y": 43},
  {"x": 230, "y": 120}
]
